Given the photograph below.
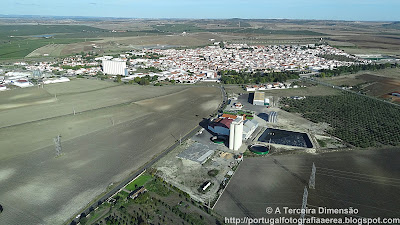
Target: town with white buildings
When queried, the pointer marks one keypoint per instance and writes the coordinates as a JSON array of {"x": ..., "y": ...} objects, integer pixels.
[
  {"x": 182, "y": 65},
  {"x": 241, "y": 57}
]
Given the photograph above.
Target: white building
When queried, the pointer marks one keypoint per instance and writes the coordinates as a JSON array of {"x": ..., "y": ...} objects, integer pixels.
[
  {"x": 259, "y": 98},
  {"x": 236, "y": 134},
  {"x": 22, "y": 83},
  {"x": 106, "y": 57},
  {"x": 59, "y": 80},
  {"x": 266, "y": 102},
  {"x": 115, "y": 67},
  {"x": 249, "y": 127},
  {"x": 397, "y": 94}
]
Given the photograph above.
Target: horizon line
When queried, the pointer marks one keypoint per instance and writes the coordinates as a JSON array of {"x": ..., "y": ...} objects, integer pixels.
[{"x": 184, "y": 18}]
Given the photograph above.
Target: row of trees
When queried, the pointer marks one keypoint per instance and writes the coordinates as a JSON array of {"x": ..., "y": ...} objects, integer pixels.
[
  {"x": 146, "y": 80},
  {"x": 66, "y": 67},
  {"x": 355, "y": 68},
  {"x": 342, "y": 58},
  {"x": 358, "y": 120},
  {"x": 234, "y": 77}
]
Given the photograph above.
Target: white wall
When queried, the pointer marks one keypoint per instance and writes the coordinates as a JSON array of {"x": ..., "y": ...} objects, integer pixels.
[{"x": 114, "y": 67}]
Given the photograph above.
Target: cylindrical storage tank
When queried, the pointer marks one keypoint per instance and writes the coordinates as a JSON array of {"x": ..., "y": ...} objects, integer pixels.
[
  {"x": 231, "y": 136},
  {"x": 259, "y": 149},
  {"x": 238, "y": 135}
]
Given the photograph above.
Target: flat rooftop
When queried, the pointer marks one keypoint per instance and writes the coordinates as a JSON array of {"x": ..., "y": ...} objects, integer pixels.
[
  {"x": 260, "y": 96},
  {"x": 196, "y": 152}
]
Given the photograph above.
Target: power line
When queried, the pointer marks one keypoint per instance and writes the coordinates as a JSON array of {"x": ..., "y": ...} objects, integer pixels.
[
  {"x": 362, "y": 180},
  {"x": 360, "y": 174}
]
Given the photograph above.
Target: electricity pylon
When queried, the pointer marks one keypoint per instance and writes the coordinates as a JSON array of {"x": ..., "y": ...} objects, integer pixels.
[
  {"x": 303, "y": 206},
  {"x": 311, "y": 183},
  {"x": 57, "y": 142}
]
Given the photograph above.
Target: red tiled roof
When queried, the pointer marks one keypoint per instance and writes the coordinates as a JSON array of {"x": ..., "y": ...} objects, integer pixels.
[
  {"x": 222, "y": 122},
  {"x": 228, "y": 116}
]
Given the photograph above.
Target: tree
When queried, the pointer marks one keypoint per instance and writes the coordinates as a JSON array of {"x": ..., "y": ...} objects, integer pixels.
[
  {"x": 118, "y": 79},
  {"x": 137, "y": 79},
  {"x": 144, "y": 81}
]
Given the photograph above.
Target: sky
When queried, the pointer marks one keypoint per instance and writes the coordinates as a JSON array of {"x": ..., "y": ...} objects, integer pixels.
[{"x": 355, "y": 10}]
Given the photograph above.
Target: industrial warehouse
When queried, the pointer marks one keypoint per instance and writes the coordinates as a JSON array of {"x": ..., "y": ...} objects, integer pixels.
[
  {"x": 260, "y": 99},
  {"x": 115, "y": 67},
  {"x": 247, "y": 125}
]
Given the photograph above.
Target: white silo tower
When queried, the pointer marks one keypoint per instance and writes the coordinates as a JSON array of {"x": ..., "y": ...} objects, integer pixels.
[
  {"x": 232, "y": 135},
  {"x": 236, "y": 134}
]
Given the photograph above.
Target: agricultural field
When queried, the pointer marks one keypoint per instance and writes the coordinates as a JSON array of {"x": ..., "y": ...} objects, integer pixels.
[
  {"x": 78, "y": 36},
  {"x": 161, "y": 204},
  {"x": 378, "y": 83},
  {"x": 379, "y": 86},
  {"x": 177, "y": 28},
  {"x": 116, "y": 129},
  {"x": 261, "y": 31},
  {"x": 355, "y": 119},
  {"x": 384, "y": 42},
  {"x": 189, "y": 40},
  {"x": 18, "y": 41},
  {"x": 56, "y": 50},
  {"x": 21, "y": 47},
  {"x": 140, "y": 181},
  {"x": 37, "y": 30},
  {"x": 389, "y": 72},
  {"x": 63, "y": 101},
  {"x": 309, "y": 90},
  {"x": 346, "y": 80},
  {"x": 366, "y": 180}
]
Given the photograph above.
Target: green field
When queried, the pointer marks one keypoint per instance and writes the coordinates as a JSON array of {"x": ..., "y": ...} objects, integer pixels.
[
  {"x": 140, "y": 181},
  {"x": 153, "y": 207},
  {"x": 17, "y": 41},
  {"x": 20, "y": 47},
  {"x": 268, "y": 31},
  {"x": 158, "y": 187},
  {"x": 107, "y": 33},
  {"x": 358, "y": 120},
  {"x": 31, "y": 30},
  {"x": 178, "y": 28}
]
